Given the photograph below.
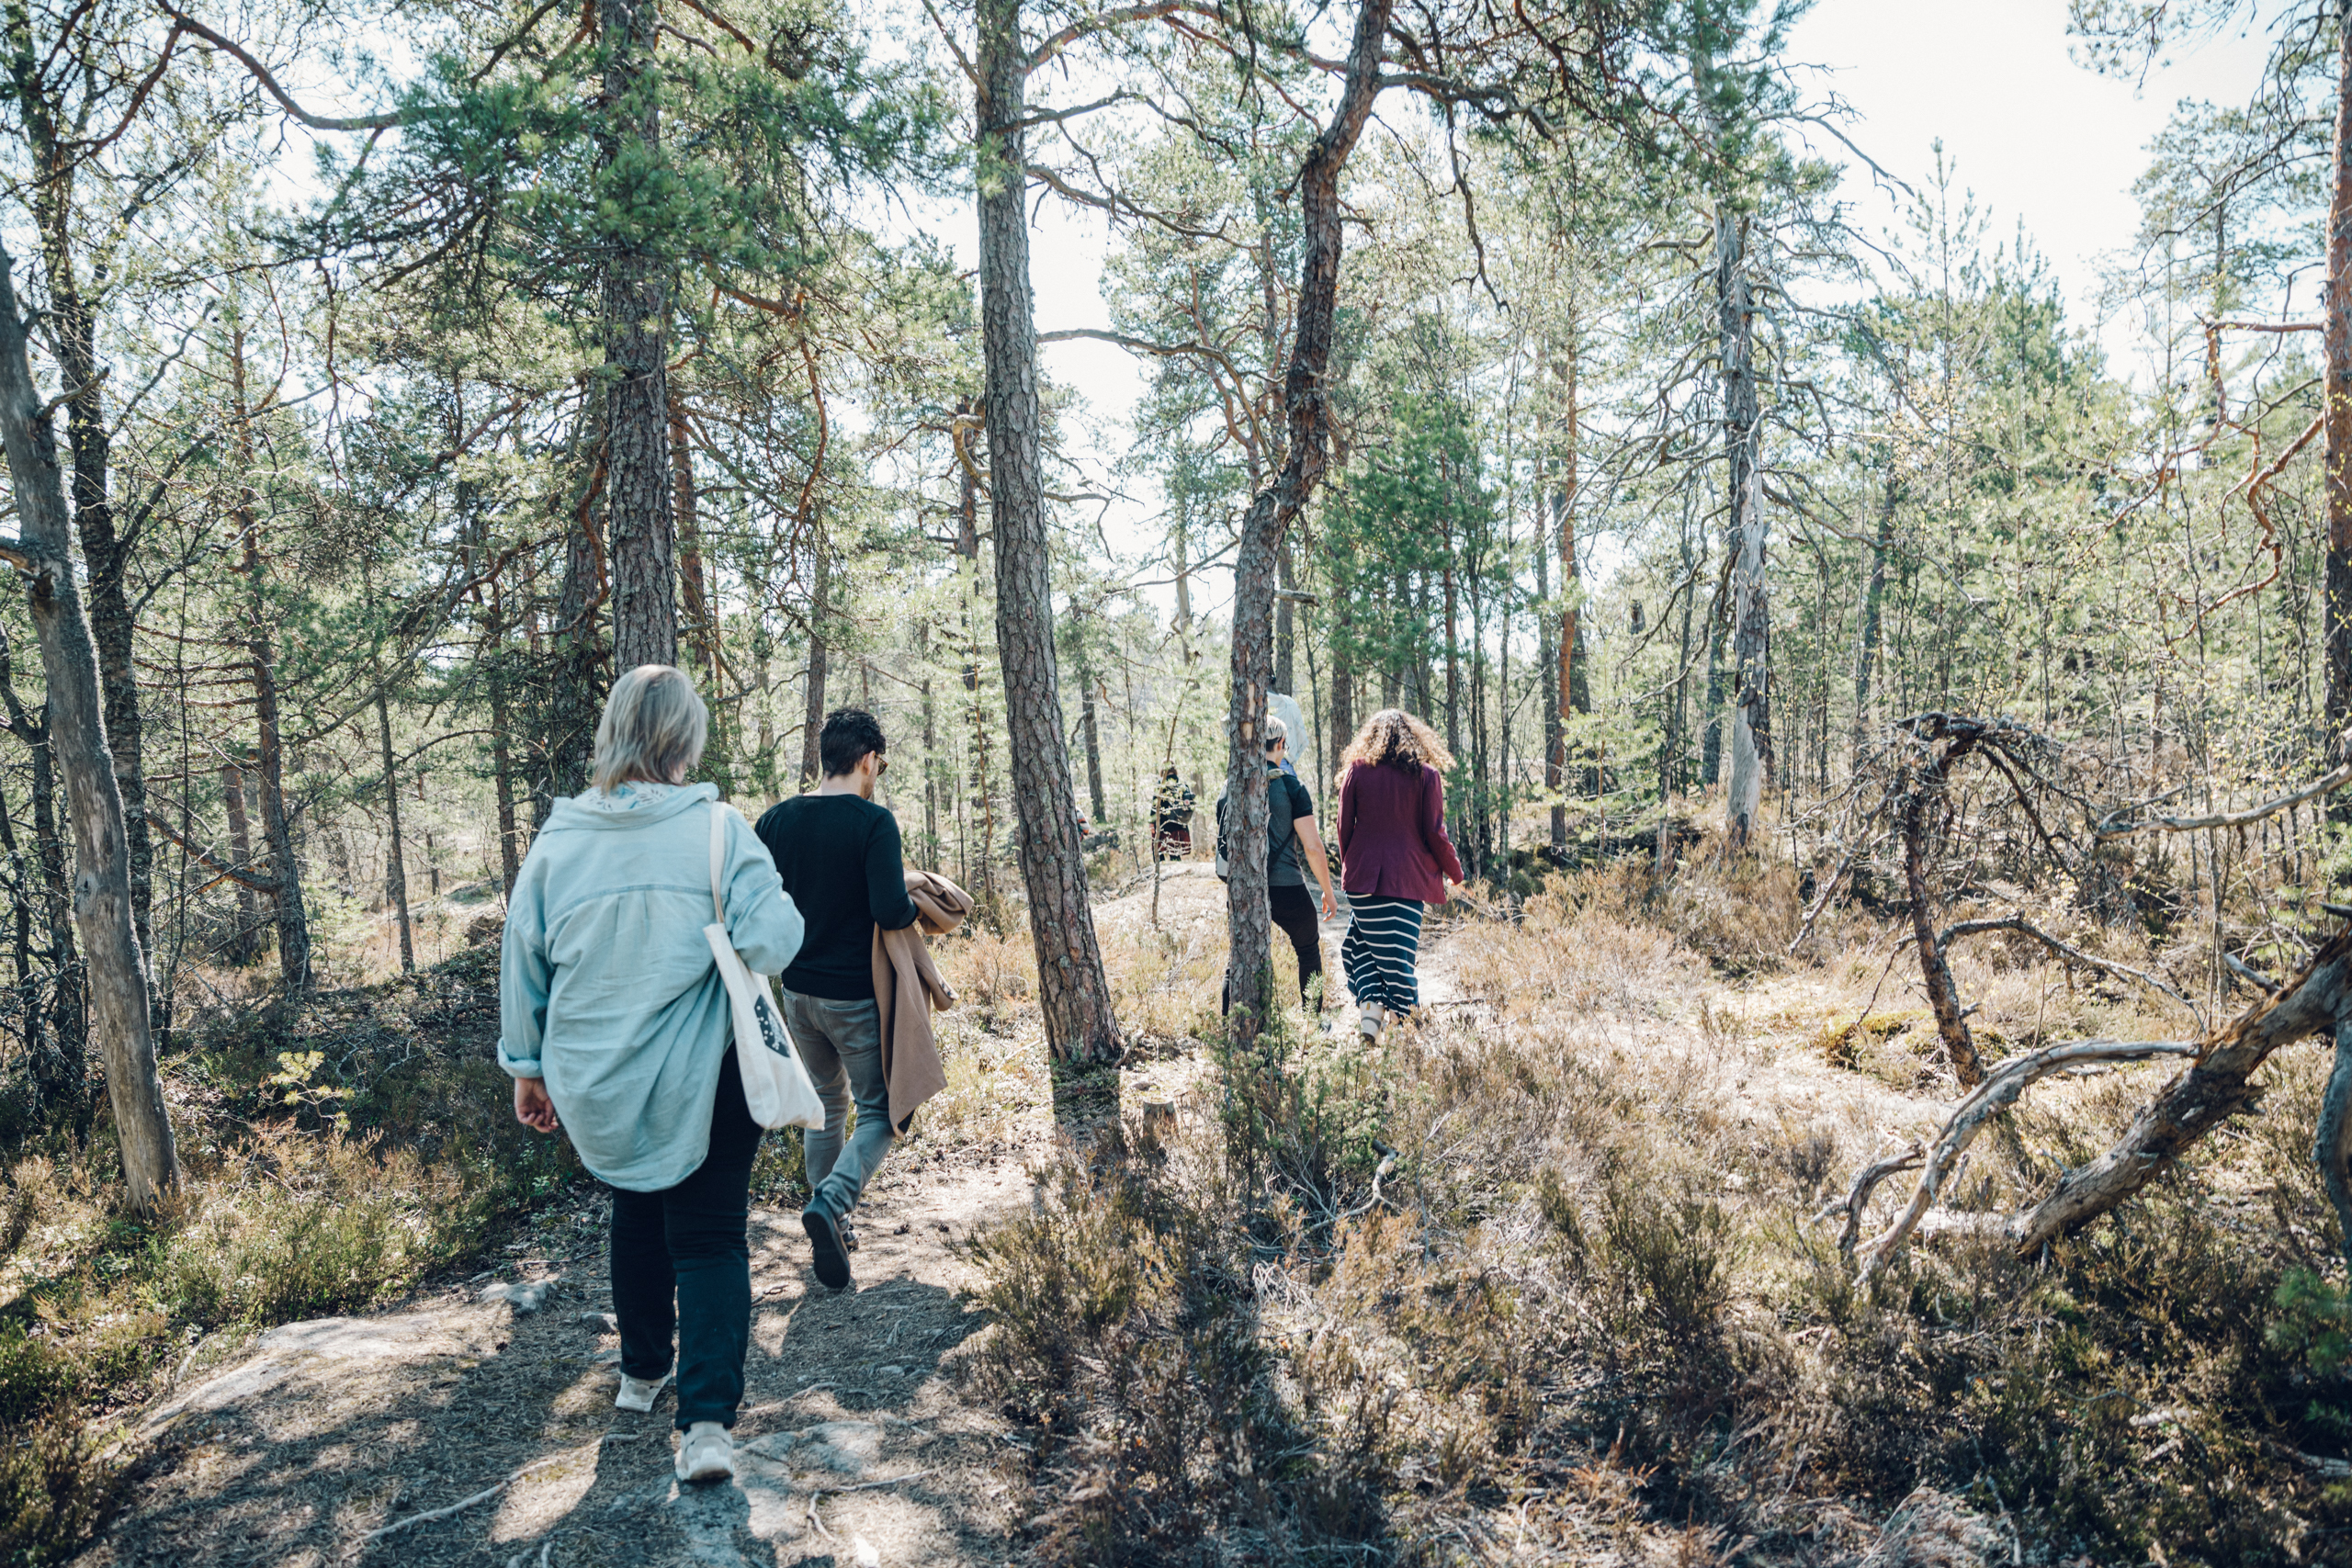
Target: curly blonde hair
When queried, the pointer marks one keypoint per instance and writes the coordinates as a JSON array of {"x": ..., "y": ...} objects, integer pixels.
[{"x": 1394, "y": 738}]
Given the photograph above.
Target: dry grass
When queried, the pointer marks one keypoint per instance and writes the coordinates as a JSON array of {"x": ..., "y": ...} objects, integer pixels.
[
  {"x": 1533, "y": 1281},
  {"x": 334, "y": 1158}
]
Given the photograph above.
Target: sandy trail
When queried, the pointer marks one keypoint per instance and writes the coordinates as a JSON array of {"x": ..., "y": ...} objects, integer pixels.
[{"x": 293, "y": 1452}]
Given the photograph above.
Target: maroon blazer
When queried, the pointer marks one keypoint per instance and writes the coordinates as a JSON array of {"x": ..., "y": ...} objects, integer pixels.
[{"x": 1392, "y": 834}]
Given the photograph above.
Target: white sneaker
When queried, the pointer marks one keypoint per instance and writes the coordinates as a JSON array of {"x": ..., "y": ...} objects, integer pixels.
[
  {"x": 707, "y": 1454},
  {"x": 638, "y": 1394},
  {"x": 1370, "y": 1021}
]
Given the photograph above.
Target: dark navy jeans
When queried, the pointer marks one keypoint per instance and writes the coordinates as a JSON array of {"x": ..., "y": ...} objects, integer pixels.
[{"x": 682, "y": 1266}]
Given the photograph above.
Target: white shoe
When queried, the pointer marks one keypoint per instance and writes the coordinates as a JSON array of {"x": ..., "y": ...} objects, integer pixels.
[
  {"x": 638, "y": 1394},
  {"x": 1370, "y": 1021},
  {"x": 707, "y": 1454}
]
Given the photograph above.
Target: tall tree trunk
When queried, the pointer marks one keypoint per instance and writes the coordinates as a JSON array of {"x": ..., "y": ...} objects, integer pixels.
[
  {"x": 31, "y": 1020},
  {"x": 1873, "y": 602},
  {"x": 292, "y": 919},
  {"x": 1711, "y": 747},
  {"x": 1751, "y": 713},
  {"x": 395, "y": 867},
  {"x": 636, "y": 331},
  {"x": 1343, "y": 686},
  {"x": 2338, "y": 336},
  {"x": 1571, "y": 690},
  {"x": 980, "y": 808},
  {"x": 1073, "y": 992},
  {"x": 71, "y": 322},
  {"x": 246, "y": 940},
  {"x": 1285, "y": 637},
  {"x": 501, "y": 753},
  {"x": 1090, "y": 727},
  {"x": 57, "y": 1034},
  {"x": 1555, "y": 732},
  {"x": 1677, "y": 747},
  {"x": 118, "y": 975},
  {"x": 1249, "y": 964},
  {"x": 576, "y": 694},
  {"x": 1452, "y": 658},
  {"x": 701, "y": 619},
  {"x": 812, "y": 764}
]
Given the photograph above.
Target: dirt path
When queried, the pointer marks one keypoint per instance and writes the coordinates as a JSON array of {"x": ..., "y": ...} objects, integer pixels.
[{"x": 293, "y": 1451}]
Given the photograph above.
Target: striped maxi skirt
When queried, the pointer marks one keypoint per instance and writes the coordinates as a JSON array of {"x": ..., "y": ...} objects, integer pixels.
[{"x": 1378, "y": 953}]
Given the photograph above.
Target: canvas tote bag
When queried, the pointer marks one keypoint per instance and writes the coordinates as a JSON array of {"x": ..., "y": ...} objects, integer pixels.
[{"x": 776, "y": 1088}]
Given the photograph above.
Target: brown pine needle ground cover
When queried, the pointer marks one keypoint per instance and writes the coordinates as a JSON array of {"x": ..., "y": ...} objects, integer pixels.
[{"x": 1535, "y": 1282}]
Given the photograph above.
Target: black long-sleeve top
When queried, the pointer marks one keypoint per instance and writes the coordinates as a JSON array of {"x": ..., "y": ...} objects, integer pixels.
[{"x": 839, "y": 857}]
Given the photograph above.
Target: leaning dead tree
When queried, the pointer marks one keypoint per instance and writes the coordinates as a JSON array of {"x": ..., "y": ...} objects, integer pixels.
[
  {"x": 43, "y": 555},
  {"x": 1916, "y": 815},
  {"x": 2215, "y": 1085}
]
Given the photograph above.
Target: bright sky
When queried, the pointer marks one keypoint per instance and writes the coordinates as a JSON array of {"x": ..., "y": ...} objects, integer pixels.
[{"x": 2033, "y": 135}]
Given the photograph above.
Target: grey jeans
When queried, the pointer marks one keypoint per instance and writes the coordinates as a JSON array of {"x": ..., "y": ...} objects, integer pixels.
[{"x": 841, "y": 1044}]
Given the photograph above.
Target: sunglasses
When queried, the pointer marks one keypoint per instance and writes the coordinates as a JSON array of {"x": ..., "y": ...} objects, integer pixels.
[{"x": 881, "y": 764}]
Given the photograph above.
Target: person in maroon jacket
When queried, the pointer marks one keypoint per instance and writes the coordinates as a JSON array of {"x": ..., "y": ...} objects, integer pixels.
[{"x": 1393, "y": 856}]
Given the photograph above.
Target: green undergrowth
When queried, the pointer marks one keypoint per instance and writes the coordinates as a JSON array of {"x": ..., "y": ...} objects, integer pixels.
[
  {"x": 1482, "y": 1292},
  {"x": 335, "y": 1155}
]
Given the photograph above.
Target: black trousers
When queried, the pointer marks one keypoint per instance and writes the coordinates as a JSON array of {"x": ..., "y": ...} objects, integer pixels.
[
  {"x": 1292, "y": 910},
  {"x": 682, "y": 1266}
]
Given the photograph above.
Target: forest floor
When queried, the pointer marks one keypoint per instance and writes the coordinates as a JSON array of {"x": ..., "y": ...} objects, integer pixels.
[
  {"x": 852, "y": 1445},
  {"x": 1687, "y": 1109}
]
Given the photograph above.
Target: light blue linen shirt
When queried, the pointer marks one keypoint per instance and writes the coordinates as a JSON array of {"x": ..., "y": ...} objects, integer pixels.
[{"x": 606, "y": 986}]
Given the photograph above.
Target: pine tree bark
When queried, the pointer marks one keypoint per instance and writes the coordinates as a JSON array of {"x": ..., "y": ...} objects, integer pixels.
[
  {"x": 637, "y": 390},
  {"x": 576, "y": 691},
  {"x": 1073, "y": 992},
  {"x": 1750, "y": 718},
  {"x": 1249, "y": 964},
  {"x": 102, "y": 917}
]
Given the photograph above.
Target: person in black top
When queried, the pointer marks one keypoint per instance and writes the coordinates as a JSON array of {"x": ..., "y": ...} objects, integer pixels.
[
  {"x": 1294, "y": 847},
  {"x": 837, "y": 853}
]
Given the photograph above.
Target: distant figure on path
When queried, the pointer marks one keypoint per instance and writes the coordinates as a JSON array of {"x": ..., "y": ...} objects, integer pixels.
[
  {"x": 1295, "y": 846},
  {"x": 614, "y": 1023},
  {"x": 838, "y": 855},
  {"x": 1171, "y": 810},
  {"x": 1394, "y": 858}
]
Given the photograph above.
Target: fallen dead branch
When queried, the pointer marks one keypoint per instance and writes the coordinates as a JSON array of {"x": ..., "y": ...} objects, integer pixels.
[
  {"x": 1997, "y": 1093},
  {"x": 2200, "y": 1098},
  {"x": 1857, "y": 1196},
  {"x": 2067, "y": 951},
  {"x": 2333, "y": 780},
  {"x": 493, "y": 1489}
]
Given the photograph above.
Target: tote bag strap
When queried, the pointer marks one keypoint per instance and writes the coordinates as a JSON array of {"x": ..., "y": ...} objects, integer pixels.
[{"x": 718, "y": 845}]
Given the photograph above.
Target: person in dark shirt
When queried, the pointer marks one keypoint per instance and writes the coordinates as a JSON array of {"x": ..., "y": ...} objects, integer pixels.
[
  {"x": 837, "y": 853},
  {"x": 1293, "y": 847}
]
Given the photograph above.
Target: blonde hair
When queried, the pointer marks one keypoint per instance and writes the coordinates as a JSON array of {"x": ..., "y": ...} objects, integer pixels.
[
  {"x": 653, "y": 728},
  {"x": 1397, "y": 738}
]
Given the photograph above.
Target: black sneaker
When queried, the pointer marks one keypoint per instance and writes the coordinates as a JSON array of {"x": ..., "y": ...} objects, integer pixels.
[{"x": 825, "y": 1245}]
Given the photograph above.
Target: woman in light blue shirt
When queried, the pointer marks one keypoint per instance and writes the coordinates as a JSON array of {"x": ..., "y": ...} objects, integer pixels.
[{"x": 614, "y": 1026}]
